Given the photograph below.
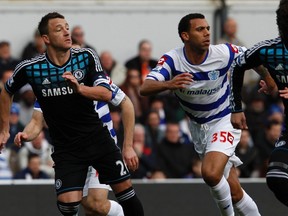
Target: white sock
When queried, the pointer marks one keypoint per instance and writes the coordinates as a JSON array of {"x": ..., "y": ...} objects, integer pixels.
[
  {"x": 246, "y": 206},
  {"x": 115, "y": 209},
  {"x": 222, "y": 195}
]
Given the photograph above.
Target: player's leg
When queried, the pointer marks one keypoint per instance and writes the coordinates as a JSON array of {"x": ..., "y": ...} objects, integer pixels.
[
  {"x": 213, "y": 165},
  {"x": 95, "y": 198},
  {"x": 243, "y": 203},
  {"x": 113, "y": 171},
  {"x": 68, "y": 203},
  {"x": 97, "y": 204},
  {"x": 69, "y": 181},
  {"x": 277, "y": 175},
  {"x": 127, "y": 198}
]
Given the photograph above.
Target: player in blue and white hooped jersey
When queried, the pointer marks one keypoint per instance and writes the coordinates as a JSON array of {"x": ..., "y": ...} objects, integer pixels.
[
  {"x": 98, "y": 192},
  {"x": 198, "y": 73}
]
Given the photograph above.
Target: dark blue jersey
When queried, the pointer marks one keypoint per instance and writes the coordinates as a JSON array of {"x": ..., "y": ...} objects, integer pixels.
[
  {"x": 270, "y": 53},
  {"x": 71, "y": 117}
]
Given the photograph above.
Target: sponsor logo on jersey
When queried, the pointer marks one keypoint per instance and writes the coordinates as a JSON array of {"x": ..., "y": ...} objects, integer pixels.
[
  {"x": 60, "y": 91},
  {"x": 213, "y": 75},
  {"x": 281, "y": 143},
  {"x": 78, "y": 74},
  {"x": 201, "y": 91},
  {"x": 279, "y": 67},
  {"x": 282, "y": 78},
  {"x": 46, "y": 82}
]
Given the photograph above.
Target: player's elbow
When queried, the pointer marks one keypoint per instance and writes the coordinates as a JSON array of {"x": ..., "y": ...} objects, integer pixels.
[{"x": 144, "y": 90}]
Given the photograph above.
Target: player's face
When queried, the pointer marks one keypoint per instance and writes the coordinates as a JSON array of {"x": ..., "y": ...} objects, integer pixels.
[
  {"x": 59, "y": 36},
  {"x": 198, "y": 36}
]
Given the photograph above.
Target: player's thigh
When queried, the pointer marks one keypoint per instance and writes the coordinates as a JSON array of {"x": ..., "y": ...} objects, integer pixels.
[
  {"x": 70, "y": 176},
  {"x": 111, "y": 168},
  {"x": 95, "y": 196},
  {"x": 70, "y": 197},
  {"x": 213, "y": 164}
]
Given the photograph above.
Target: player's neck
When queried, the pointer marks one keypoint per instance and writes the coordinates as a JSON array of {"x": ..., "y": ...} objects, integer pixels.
[
  {"x": 196, "y": 56},
  {"x": 58, "y": 57}
]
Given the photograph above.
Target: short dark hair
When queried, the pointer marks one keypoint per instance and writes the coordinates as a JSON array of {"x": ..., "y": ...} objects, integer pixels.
[
  {"x": 184, "y": 24},
  {"x": 282, "y": 19},
  {"x": 43, "y": 24}
]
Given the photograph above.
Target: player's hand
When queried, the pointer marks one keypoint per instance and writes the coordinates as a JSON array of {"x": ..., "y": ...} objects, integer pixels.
[
  {"x": 264, "y": 88},
  {"x": 130, "y": 158},
  {"x": 181, "y": 81},
  {"x": 4, "y": 136},
  {"x": 72, "y": 81},
  {"x": 19, "y": 138},
  {"x": 238, "y": 120},
  {"x": 284, "y": 93}
]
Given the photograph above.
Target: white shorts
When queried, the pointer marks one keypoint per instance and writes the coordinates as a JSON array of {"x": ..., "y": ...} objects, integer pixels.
[
  {"x": 219, "y": 136},
  {"x": 92, "y": 181}
]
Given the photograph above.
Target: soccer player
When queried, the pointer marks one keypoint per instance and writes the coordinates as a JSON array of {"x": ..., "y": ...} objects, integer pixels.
[
  {"x": 274, "y": 56},
  {"x": 197, "y": 73},
  {"x": 94, "y": 194},
  {"x": 66, "y": 82}
]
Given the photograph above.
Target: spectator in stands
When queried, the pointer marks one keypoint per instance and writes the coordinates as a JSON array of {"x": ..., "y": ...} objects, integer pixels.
[
  {"x": 78, "y": 37},
  {"x": 145, "y": 168},
  {"x": 115, "y": 70},
  {"x": 131, "y": 88},
  {"x": 15, "y": 124},
  {"x": 40, "y": 147},
  {"x": 249, "y": 155},
  {"x": 34, "y": 48},
  {"x": 26, "y": 102},
  {"x": 33, "y": 170},
  {"x": 7, "y": 62},
  {"x": 5, "y": 171},
  {"x": 174, "y": 159},
  {"x": 230, "y": 33},
  {"x": 256, "y": 114},
  {"x": 143, "y": 61},
  {"x": 266, "y": 144}
]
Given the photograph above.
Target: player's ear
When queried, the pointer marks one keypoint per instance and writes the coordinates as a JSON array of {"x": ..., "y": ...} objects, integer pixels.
[
  {"x": 185, "y": 36},
  {"x": 46, "y": 39}
]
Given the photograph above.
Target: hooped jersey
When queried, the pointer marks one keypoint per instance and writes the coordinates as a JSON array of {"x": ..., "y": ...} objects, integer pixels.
[
  {"x": 207, "y": 98},
  {"x": 71, "y": 118}
]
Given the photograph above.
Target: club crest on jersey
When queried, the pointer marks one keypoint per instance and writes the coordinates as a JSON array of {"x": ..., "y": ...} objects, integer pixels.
[
  {"x": 213, "y": 75},
  {"x": 281, "y": 143},
  {"x": 78, "y": 74}
]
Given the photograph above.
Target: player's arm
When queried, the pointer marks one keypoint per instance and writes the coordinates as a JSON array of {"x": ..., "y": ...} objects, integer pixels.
[
  {"x": 151, "y": 87},
  {"x": 5, "y": 105},
  {"x": 128, "y": 119},
  {"x": 31, "y": 130},
  {"x": 267, "y": 84}
]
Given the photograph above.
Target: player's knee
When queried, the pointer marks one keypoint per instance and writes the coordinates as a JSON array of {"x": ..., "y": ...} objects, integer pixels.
[
  {"x": 211, "y": 177},
  {"x": 68, "y": 209},
  {"x": 279, "y": 186},
  {"x": 96, "y": 206}
]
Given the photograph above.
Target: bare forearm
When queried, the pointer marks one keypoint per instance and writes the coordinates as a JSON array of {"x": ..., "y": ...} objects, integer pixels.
[
  {"x": 128, "y": 119},
  {"x": 5, "y": 105},
  {"x": 151, "y": 87},
  {"x": 98, "y": 93},
  {"x": 33, "y": 129}
]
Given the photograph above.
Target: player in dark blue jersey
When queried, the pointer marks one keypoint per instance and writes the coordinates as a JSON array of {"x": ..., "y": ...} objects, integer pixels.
[
  {"x": 66, "y": 81},
  {"x": 273, "y": 55}
]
